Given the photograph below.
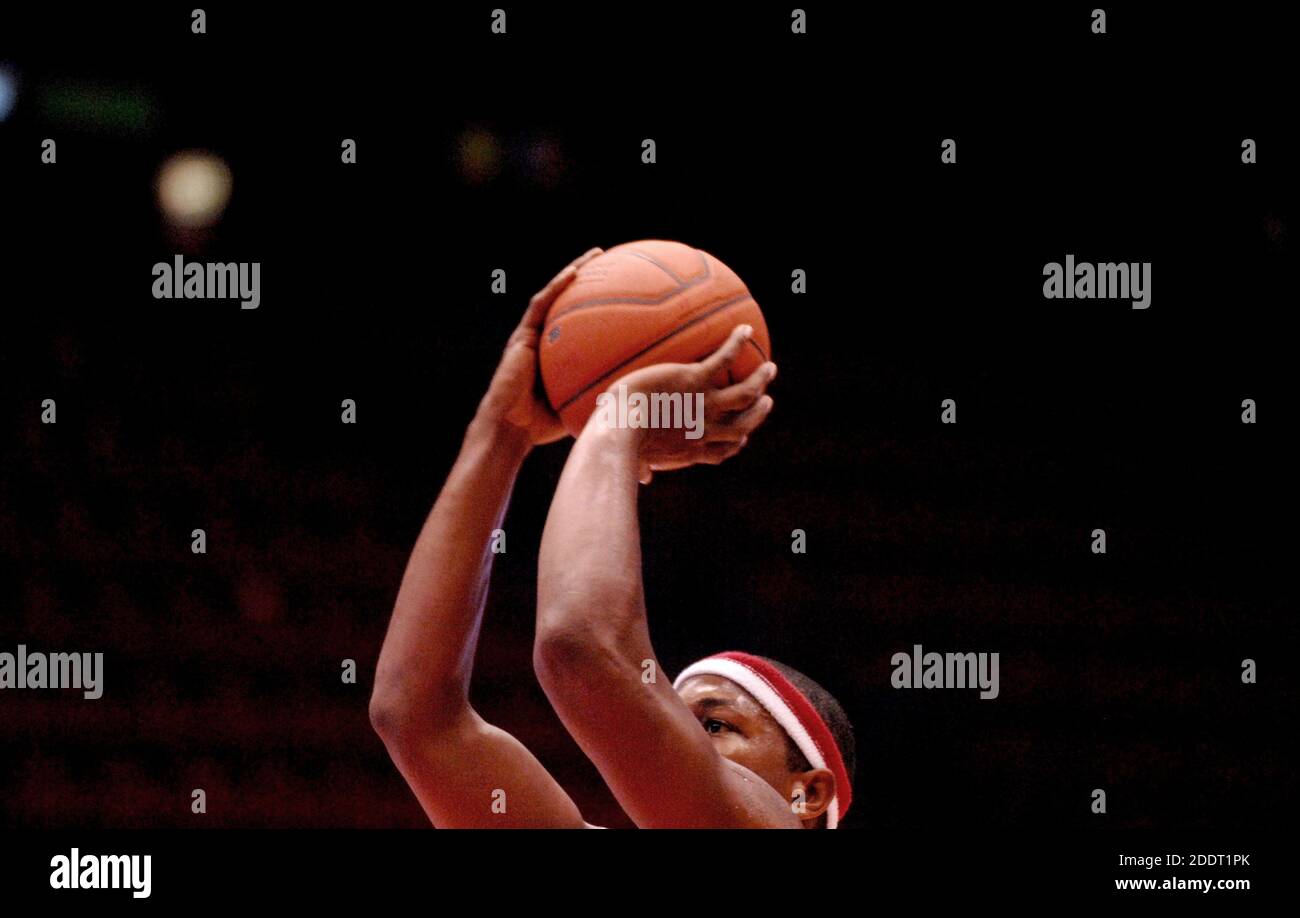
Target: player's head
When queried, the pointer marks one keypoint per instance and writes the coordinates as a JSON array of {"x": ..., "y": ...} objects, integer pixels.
[{"x": 779, "y": 724}]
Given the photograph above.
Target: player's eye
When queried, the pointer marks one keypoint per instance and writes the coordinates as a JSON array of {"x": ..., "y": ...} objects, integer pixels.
[{"x": 713, "y": 725}]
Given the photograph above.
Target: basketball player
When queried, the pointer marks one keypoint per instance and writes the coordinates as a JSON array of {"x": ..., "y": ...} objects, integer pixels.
[{"x": 736, "y": 741}]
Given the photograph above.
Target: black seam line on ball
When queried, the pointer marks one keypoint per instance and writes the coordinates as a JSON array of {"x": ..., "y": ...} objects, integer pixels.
[
  {"x": 649, "y": 347},
  {"x": 635, "y": 300},
  {"x": 669, "y": 271}
]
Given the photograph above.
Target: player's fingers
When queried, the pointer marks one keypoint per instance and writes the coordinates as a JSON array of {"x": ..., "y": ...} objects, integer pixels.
[
  {"x": 668, "y": 465},
  {"x": 535, "y": 315},
  {"x": 723, "y": 356},
  {"x": 587, "y": 256},
  {"x": 741, "y": 395},
  {"x": 740, "y": 426}
]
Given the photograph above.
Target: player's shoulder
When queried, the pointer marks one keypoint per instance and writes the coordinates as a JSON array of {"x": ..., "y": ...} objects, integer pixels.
[{"x": 587, "y": 825}]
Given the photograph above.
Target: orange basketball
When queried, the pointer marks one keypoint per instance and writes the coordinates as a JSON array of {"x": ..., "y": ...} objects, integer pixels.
[{"x": 638, "y": 304}]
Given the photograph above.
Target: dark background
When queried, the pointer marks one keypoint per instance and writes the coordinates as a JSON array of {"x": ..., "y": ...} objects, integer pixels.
[{"x": 775, "y": 152}]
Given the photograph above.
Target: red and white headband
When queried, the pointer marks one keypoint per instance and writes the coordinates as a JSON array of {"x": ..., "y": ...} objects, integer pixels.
[{"x": 790, "y": 708}]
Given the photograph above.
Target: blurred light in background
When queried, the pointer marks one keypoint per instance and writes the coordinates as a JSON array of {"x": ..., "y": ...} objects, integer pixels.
[
  {"x": 542, "y": 161},
  {"x": 8, "y": 90},
  {"x": 478, "y": 156},
  {"x": 194, "y": 188}
]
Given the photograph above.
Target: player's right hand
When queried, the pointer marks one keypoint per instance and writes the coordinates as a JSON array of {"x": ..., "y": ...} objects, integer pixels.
[{"x": 731, "y": 413}]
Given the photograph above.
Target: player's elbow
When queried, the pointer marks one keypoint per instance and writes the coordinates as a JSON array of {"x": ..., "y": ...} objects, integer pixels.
[
  {"x": 399, "y": 718},
  {"x": 391, "y": 717},
  {"x": 385, "y": 715},
  {"x": 571, "y": 656}
]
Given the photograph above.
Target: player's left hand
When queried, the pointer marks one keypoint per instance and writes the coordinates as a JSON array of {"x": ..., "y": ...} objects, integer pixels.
[{"x": 514, "y": 397}]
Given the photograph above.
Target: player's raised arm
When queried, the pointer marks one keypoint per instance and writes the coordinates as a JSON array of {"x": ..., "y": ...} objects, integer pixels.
[
  {"x": 464, "y": 771},
  {"x": 592, "y": 648}
]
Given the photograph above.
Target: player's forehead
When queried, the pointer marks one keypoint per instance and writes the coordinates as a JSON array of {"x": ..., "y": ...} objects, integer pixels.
[{"x": 707, "y": 691}]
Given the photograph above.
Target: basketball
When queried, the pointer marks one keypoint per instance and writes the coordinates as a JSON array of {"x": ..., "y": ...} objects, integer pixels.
[{"x": 638, "y": 304}]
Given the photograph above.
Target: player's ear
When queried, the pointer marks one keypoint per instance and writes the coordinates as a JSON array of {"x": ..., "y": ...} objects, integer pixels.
[{"x": 817, "y": 786}]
